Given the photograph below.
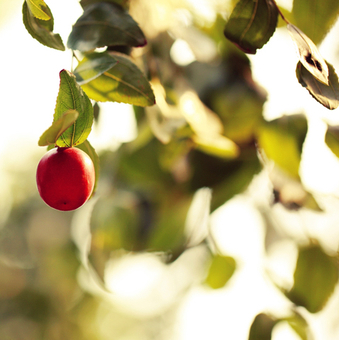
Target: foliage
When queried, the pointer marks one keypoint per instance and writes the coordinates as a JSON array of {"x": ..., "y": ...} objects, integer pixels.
[{"x": 202, "y": 141}]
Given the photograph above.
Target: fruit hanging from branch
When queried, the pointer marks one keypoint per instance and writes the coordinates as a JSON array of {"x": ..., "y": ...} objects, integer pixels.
[{"x": 65, "y": 178}]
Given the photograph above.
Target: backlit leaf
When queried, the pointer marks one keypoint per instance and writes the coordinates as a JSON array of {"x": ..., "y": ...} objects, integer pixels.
[
  {"x": 251, "y": 24},
  {"x": 105, "y": 24},
  {"x": 219, "y": 146},
  {"x": 299, "y": 325},
  {"x": 71, "y": 96},
  {"x": 42, "y": 30},
  {"x": 282, "y": 140},
  {"x": 309, "y": 55},
  {"x": 262, "y": 326},
  {"x": 315, "y": 18},
  {"x": 328, "y": 96},
  {"x": 220, "y": 271},
  {"x": 39, "y": 9},
  {"x": 123, "y": 83},
  {"x": 58, "y": 127},
  {"x": 332, "y": 139},
  {"x": 92, "y": 66},
  {"x": 315, "y": 278}
]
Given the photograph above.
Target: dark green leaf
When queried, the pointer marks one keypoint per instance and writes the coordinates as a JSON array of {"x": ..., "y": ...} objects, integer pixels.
[
  {"x": 122, "y": 3},
  {"x": 315, "y": 18},
  {"x": 332, "y": 139},
  {"x": 251, "y": 24},
  {"x": 92, "y": 66},
  {"x": 309, "y": 55},
  {"x": 282, "y": 140},
  {"x": 96, "y": 111},
  {"x": 88, "y": 148},
  {"x": 42, "y": 30},
  {"x": 261, "y": 328},
  {"x": 71, "y": 97},
  {"x": 105, "y": 24},
  {"x": 123, "y": 83},
  {"x": 58, "y": 127},
  {"x": 315, "y": 278},
  {"x": 39, "y": 9},
  {"x": 328, "y": 96},
  {"x": 220, "y": 271}
]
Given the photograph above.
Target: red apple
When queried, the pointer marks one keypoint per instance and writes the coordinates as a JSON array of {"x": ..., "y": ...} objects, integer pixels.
[{"x": 65, "y": 178}]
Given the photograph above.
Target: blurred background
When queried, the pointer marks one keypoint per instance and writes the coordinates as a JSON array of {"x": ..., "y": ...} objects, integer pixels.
[{"x": 156, "y": 253}]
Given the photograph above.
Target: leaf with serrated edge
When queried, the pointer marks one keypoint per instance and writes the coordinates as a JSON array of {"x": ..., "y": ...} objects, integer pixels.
[
  {"x": 105, "y": 24},
  {"x": 42, "y": 30},
  {"x": 251, "y": 24},
  {"x": 71, "y": 96},
  {"x": 327, "y": 95},
  {"x": 58, "y": 127},
  {"x": 309, "y": 55},
  {"x": 123, "y": 83},
  {"x": 92, "y": 66},
  {"x": 38, "y": 9}
]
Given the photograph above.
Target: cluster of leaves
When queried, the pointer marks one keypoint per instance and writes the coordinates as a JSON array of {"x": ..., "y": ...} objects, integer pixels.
[
  {"x": 252, "y": 23},
  {"x": 250, "y": 26},
  {"x": 203, "y": 134}
]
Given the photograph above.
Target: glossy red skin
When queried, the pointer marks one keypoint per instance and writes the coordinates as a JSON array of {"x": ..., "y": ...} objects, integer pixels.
[{"x": 65, "y": 178}]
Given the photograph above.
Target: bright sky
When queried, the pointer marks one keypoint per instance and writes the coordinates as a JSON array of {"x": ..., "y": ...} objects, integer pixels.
[{"x": 29, "y": 79}]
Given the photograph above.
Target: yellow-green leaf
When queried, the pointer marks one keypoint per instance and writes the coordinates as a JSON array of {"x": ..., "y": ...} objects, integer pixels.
[
  {"x": 123, "y": 83},
  {"x": 39, "y": 9},
  {"x": 220, "y": 271},
  {"x": 315, "y": 278},
  {"x": 71, "y": 96},
  {"x": 58, "y": 127},
  {"x": 282, "y": 140}
]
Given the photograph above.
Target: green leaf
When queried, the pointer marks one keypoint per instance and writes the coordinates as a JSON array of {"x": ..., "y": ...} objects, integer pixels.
[
  {"x": 220, "y": 271},
  {"x": 315, "y": 18},
  {"x": 105, "y": 24},
  {"x": 282, "y": 140},
  {"x": 251, "y": 24},
  {"x": 58, "y": 127},
  {"x": 42, "y": 30},
  {"x": 315, "y": 278},
  {"x": 123, "y": 83},
  {"x": 309, "y": 55},
  {"x": 328, "y": 96},
  {"x": 72, "y": 97},
  {"x": 88, "y": 148},
  {"x": 39, "y": 9},
  {"x": 299, "y": 325},
  {"x": 262, "y": 326},
  {"x": 332, "y": 139},
  {"x": 122, "y": 3},
  {"x": 92, "y": 66},
  {"x": 219, "y": 146}
]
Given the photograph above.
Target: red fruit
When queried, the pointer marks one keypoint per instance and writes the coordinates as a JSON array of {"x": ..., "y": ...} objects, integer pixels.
[{"x": 65, "y": 178}]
